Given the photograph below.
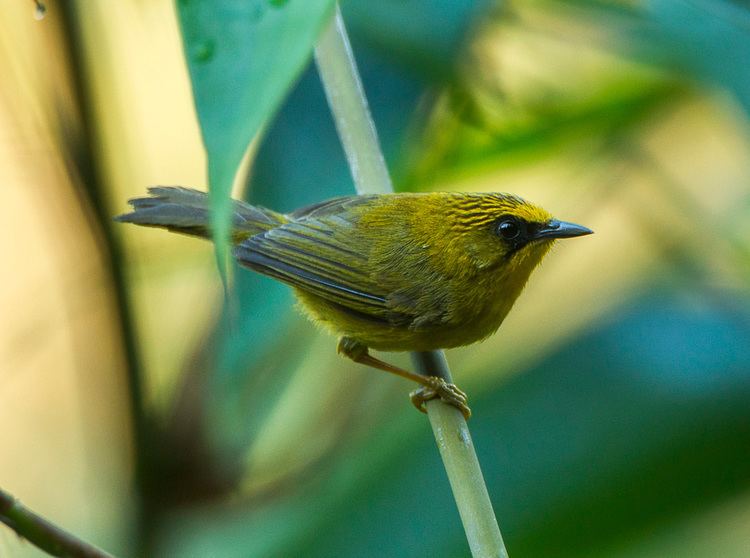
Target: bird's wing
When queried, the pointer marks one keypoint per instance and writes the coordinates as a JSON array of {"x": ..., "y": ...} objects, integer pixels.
[
  {"x": 330, "y": 207},
  {"x": 319, "y": 253}
]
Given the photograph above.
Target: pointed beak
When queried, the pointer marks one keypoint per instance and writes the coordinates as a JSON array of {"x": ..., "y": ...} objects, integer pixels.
[{"x": 561, "y": 229}]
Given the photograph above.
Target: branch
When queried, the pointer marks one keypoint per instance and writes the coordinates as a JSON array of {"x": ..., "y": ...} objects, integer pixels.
[
  {"x": 338, "y": 71},
  {"x": 460, "y": 461},
  {"x": 42, "y": 533}
]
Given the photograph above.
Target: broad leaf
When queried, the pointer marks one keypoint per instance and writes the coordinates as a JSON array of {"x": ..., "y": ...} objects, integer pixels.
[{"x": 243, "y": 56}]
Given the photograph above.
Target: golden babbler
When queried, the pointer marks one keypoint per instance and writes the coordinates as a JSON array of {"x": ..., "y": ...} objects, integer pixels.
[{"x": 392, "y": 272}]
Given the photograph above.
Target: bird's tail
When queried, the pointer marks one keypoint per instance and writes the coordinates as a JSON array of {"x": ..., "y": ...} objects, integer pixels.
[{"x": 185, "y": 210}]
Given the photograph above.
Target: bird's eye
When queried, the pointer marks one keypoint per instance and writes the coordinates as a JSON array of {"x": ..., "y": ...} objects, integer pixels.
[{"x": 509, "y": 229}]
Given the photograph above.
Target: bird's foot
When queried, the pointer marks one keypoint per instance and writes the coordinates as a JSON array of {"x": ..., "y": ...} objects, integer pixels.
[
  {"x": 433, "y": 387},
  {"x": 437, "y": 388}
]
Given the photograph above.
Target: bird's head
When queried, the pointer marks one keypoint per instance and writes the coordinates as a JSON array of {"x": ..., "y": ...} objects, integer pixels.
[{"x": 509, "y": 233}]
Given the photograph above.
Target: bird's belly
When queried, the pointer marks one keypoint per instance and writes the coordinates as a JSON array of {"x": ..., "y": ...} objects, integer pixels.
[
  {"x": 440, "y": 336},
  {"x": 475, "y": 324},
  {"x": 472, "y": 322}
]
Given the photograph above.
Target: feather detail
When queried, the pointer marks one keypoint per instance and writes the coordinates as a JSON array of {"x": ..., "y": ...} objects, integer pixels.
[{"x": 186, "y": 211}]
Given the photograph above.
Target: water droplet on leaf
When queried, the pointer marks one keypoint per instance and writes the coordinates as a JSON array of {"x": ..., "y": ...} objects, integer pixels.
[{"x": 202, "y": 51}]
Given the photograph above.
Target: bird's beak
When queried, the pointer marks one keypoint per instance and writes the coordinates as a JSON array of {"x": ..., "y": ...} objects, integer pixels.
[{"x": 561, "y": 229}]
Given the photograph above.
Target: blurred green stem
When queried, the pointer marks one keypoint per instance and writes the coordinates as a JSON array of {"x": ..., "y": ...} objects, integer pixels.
[
  {"x": 85, "y": 151},
  {"x": 43, "y": 534},
  {"x": 338, "y": 71}
]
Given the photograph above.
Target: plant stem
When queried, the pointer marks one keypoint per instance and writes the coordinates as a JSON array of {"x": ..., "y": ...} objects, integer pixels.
[
  {"x": 85, "y": 152},
  {"x": 346, "y": 97},
  {"x": 460, "y": 461},
  {"x": 43, "y": 534}
]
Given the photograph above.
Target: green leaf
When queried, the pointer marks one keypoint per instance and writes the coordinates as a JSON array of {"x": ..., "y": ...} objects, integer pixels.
[{"x": 243, "y": 56}]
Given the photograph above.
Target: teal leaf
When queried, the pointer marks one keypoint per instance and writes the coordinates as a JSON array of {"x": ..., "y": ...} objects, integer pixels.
[{"x": 243, "y": 56}]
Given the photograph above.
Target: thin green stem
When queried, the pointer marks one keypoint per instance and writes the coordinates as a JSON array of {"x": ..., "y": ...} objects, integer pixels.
[
  {"x": 460, "y": 461},
  {"x": 346, "y": 98},
  {"x": 43, "y": 534}
]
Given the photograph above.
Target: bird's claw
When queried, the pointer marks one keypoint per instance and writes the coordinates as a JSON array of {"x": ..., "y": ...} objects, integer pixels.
[{"x": 438, "y": 388}]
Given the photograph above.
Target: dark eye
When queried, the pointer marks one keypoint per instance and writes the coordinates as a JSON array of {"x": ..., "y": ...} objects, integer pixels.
[{"x": 509, "y": 228}]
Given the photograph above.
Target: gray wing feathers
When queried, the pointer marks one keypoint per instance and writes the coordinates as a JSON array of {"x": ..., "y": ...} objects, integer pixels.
[{"x": 186, "y": 210}]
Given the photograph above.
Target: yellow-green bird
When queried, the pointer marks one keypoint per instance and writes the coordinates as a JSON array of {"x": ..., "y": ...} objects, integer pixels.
[{"x": 391, "y": 272}]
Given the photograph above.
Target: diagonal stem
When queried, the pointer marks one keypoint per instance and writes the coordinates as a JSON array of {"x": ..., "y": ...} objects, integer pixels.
[
  {"x": 460, "y": 461},
  {"x": 43, "y": 534},
  {"x": 338, "y": 71},
  {"x": 346, "y": 97}
]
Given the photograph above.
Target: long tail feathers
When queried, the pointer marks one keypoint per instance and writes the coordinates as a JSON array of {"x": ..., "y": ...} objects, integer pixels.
[{"x": 185, "y": 210}]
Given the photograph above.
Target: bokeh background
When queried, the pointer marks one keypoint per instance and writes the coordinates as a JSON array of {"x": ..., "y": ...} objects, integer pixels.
[{"x": 612, "y": 410}]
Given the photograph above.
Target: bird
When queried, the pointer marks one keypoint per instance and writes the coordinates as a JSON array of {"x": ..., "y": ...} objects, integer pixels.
[{"x": 385, "y": 272}]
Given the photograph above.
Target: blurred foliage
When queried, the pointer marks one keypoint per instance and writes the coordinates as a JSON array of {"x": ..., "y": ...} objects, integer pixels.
[{"x": 611, "y": 414}]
